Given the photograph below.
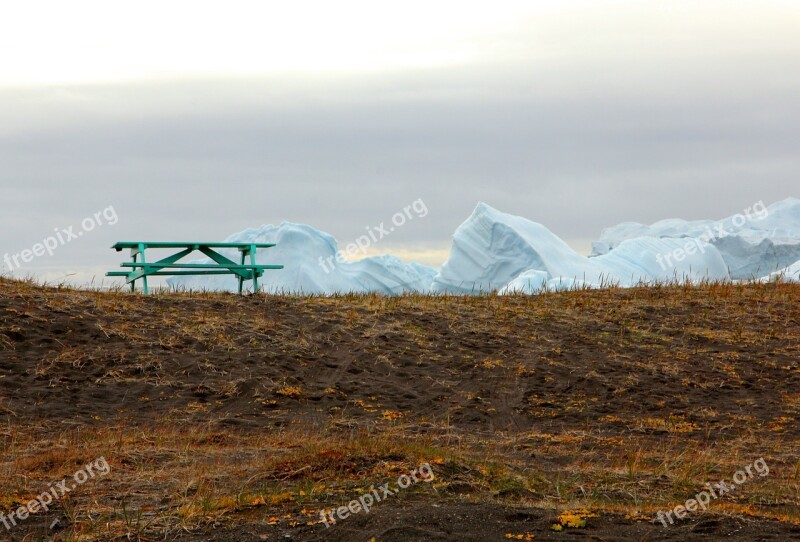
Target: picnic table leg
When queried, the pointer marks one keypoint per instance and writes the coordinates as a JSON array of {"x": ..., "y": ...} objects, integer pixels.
[
  {"x": 224, "y": 261},
  {"x": 255, "y": 272},
  {"x": 133, "y": 282},
  {"x": 144, "y": 278},
  {"x": 241, "y": 279}
]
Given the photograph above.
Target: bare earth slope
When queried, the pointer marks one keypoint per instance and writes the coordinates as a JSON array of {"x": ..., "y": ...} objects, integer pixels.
[{"x": 239, "y": 418}]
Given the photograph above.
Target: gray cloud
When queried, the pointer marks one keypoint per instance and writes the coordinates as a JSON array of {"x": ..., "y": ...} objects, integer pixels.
[{"x": 575, "y": 147}]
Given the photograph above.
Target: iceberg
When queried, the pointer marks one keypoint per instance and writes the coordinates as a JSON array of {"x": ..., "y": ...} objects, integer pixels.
[
  {"x": 529, "y": 282},
  {"x": 311, "y": 266},
  {"x": 790, "y": 273},
  {"x": 496, "y": 251},
  {"x": 753, "y": 243}
]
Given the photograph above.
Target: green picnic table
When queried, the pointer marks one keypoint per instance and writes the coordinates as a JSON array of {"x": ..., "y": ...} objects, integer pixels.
[{"x": 140, "y": 268}]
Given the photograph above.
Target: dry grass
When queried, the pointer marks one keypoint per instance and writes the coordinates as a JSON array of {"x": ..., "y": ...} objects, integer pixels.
[
  {"x": 170, "y": 477},
  {"x": 165, "y": 480}
]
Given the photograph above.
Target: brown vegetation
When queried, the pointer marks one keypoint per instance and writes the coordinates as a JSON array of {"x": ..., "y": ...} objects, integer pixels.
[{"x": 239, "y": 418}]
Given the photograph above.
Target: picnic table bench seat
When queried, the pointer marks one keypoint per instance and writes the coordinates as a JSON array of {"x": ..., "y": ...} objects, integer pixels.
[{"x": 140, "y": 268}]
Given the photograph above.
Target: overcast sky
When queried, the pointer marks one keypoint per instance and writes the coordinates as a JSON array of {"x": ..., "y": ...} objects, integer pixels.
[{"x": 195, "y": 120}]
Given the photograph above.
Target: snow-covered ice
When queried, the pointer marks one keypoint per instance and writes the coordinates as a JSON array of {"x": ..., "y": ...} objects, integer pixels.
[
  {"x": 305, "y": 253},
  {"x": 753, "y": 243},
  {"x": 496, "y": 251},
  {"x": 789, "y": 273}
]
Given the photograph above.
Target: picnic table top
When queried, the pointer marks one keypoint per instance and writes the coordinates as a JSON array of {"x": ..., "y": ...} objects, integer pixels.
[{"x": 181, "y": 244}]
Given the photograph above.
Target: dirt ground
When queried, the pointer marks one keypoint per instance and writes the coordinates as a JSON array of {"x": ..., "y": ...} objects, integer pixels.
[{"x": 567, "y": 416}]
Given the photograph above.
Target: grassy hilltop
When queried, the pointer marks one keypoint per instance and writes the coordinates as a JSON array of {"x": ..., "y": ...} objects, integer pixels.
[{"x": 543, "y": 418}]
